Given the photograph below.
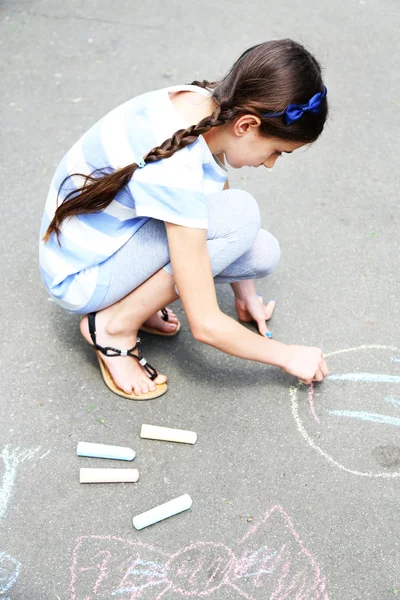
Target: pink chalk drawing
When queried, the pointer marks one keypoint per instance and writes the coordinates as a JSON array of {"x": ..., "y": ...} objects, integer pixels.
[
  {"x": 269, "y": 563},
  {"x": 311, "y": 402}
]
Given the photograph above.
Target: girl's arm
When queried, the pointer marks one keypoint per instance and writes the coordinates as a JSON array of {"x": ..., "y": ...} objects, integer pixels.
[{"x": 194, "y": 281}]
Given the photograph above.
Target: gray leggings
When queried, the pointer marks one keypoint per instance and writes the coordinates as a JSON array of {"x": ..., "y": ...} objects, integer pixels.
[{"x": 238, "y": 248}]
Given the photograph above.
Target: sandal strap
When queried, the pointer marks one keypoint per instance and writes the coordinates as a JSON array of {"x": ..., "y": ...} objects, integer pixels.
[
  {"x": 164, "y": 314},
  {"x": 110, "y": 351}
]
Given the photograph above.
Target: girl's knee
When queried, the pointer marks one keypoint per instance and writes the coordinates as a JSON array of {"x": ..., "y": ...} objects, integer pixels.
[
  {"x": 235, "y": 212},
  {"x": 267, "y": 253},
  {"x": 244, "y": 207}
]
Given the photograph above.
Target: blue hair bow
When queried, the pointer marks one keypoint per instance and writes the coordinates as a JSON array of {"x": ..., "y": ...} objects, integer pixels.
[{"x": 293, "y": 112}]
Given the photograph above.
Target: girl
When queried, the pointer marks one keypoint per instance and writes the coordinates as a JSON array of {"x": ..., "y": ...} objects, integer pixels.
[{"x": 146, "y": 215}]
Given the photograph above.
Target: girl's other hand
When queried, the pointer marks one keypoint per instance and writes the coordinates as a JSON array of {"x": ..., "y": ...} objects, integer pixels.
[
  {"x": 254, "y": 309},
  {"x": 306, "y": 363}
]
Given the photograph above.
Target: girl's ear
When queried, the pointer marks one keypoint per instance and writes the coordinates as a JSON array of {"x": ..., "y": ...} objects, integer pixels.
[{"x": 245, "y": 124}]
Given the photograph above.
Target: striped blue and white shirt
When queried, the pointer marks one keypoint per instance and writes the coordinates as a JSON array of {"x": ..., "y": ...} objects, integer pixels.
[{"x": 77, "y": 272}]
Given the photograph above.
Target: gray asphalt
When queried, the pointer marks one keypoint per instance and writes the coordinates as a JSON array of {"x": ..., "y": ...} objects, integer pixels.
[{"x": 295, "y": 491}]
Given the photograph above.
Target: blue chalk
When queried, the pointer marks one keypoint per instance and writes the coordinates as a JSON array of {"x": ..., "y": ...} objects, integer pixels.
[
  {"x": 104, "y": 451},
  {"x": 268, "y": 334}
]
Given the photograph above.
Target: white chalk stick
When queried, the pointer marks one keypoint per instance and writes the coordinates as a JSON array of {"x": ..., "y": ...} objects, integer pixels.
[
  {"x": 169, "y": 509},
  {"x": 152, "y": 432},
  {"x": 108, "y": 475},
  {"x": 104, "y": 451}
]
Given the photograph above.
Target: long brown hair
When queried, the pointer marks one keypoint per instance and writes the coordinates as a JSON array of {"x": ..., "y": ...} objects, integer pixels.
[{"x": 265, "y": 79}]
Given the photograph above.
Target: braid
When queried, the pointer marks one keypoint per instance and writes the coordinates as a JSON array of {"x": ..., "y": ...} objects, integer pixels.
[
  {"x": 97, "y": 193},
  {"x": 185, "y": 137}
]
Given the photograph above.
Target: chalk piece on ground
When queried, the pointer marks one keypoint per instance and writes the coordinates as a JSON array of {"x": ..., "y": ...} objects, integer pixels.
[
  {"x": 169, "y": 509},
  {"x": 104, "y": 451},
  {"x": 152, "y": 432},
  {"x": 108, "y": 475}
]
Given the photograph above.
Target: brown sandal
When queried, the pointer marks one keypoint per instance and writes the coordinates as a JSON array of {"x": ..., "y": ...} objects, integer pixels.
[{"x": 161, "y": 388}]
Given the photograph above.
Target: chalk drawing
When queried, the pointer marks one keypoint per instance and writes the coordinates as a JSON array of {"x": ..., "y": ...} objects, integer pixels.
[
  {"x": 270, "y": 561},
  {"x": 392, "y": 400},
  {"x": 12, "y": 458},
  {"x": 366, "y": 416},
  {"x": 352, "y": 397},
  {"x": 45, "y": 454},
  {"x": 9, "y": 571},
  {"x": 311, "y": 401},
  {"x": 368, "y": 377}
]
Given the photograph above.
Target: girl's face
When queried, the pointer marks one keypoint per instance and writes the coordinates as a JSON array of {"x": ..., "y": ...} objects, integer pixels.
[{"x": 244, "y": 146}]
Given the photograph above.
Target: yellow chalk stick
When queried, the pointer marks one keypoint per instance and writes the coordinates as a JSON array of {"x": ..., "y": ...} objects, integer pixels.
[{"x": 152, "y": 432}]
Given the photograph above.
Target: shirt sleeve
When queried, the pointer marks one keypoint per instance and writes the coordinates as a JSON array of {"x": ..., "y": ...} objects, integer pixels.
[{"x": 171, "y": 190}]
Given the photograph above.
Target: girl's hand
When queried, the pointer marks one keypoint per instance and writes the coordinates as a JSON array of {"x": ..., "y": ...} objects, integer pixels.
[
  {"x": 306, "y": 363},
  {"x": 254, "y": 309}
]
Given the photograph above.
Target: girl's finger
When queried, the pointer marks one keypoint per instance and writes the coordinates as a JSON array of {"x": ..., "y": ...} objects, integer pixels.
[
  {"x": 324, "y": 367},
  {"x": 269, "y": 309},
  {"x": 318, "y": 375},
  {"x": 262, "y": 327}
]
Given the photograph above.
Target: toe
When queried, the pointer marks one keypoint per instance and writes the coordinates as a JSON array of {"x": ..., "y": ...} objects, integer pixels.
[
  {"x": 123, "y": 385},
  {"x": 160, "y": 379},
  {"x": 137, "y": 389},
  {"x": 171, "y": 315},
  {"x": 168, "y": 326},
  {"x": 147, "y": 385}
]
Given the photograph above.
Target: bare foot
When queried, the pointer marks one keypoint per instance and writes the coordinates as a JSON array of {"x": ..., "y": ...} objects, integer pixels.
[
  {"x": 157, "y": 322},
  {"x": 126, "y": 372}
]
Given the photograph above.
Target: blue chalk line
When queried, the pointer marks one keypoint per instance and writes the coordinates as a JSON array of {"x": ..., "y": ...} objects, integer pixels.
[
  {"x": 366, "y": 377},
  {"x": 392, "y": 400},
  {"x": 367, "y": 416}
]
